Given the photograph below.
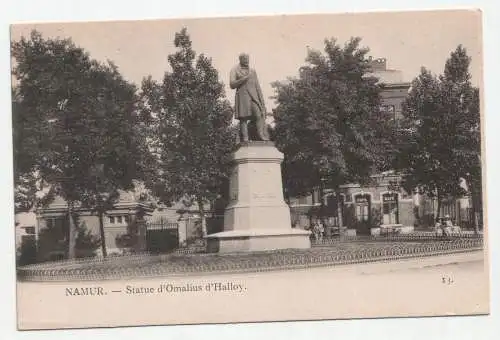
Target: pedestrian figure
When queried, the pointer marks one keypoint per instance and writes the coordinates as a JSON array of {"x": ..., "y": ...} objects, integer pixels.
[
  {"x": 321, "y": 231},
  {"x": 437, "y": 226},
  {"x": 315, "y": 230},
  {"x": 447, "y": 225}
]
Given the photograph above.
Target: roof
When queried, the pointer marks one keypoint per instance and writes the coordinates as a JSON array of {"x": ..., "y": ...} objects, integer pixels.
[
  {"x": 126, "y": 200},
  {"x": 389, "y": 76}
]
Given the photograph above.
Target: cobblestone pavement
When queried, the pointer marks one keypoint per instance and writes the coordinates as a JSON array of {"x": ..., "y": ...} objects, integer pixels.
[{"x": 188, "y": 264}]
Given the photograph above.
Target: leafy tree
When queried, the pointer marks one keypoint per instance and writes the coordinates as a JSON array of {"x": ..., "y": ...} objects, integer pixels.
[
  {"x": 116, "y": 145},
  {"x": 471, "y": 151},
  {"x": 327, "y": 121},
  {"x": 28, "y": 133},
  {"x": 463, "y": 99},
  {"x": 190, "y": 133},
  {"x": 440, "y": 140},
  {"x": 74, "y": 124}
]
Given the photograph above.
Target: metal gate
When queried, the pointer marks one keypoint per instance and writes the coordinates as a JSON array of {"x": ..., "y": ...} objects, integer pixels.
[{"x": 162, "y": 237}]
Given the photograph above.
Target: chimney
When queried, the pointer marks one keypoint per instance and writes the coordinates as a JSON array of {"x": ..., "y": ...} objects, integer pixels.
[{"x": 378, "y": 64}]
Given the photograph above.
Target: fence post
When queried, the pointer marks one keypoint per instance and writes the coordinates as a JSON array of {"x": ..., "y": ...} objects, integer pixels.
[
  {"x": 182, "y": 231},
  {"x": 141, "y": 245}
]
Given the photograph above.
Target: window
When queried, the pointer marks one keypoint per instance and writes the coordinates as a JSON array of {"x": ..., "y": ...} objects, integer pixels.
[
  {"x": 315, "y": 197},
  {"x": 362, "y": 213},
  {"x": 332, "y": 205},
  {"x": 58, "y": 227},
  {"x": 30, "y": 230},
  {"x": 118, "y": 220},
  {"x": 389, "y": 110},
  {"x": 56, "y": 222},
  {"x": 27, "y": 239},
  {"x": 390, "y": 209},
  {"x": 302, "y": 200},
  {"x": 363, "y": 202}
]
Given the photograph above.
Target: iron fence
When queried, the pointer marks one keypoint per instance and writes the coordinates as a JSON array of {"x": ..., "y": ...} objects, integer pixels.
[
  {"x": 162, "y": 237},
  {"x": 412, "y": 237},
  {"x": 142, "y": 265}
]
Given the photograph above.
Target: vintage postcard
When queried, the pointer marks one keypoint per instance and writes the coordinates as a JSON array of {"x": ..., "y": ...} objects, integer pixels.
[{"x": 249, "y": 169}]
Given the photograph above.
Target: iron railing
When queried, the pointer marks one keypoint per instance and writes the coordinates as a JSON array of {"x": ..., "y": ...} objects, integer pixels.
[{"x": 145, "y": 265}]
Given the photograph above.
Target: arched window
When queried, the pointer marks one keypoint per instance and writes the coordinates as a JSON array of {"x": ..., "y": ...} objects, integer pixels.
[{"x": 362, "y": 207}]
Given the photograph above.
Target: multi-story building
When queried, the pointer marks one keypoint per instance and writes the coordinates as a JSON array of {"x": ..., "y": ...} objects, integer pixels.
[
  {"x": 382, "y": 203},
  {"x": 395, "y": 88}
]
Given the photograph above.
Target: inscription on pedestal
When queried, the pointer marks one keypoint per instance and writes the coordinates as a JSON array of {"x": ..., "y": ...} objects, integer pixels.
[
  {"x": 262, "y": 172},
  {"x": 263, "y": 190},
  {"x": 264, "y": 196}
]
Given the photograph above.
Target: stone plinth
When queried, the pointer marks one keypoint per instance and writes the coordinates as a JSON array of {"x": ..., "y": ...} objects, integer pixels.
[{"x": 257, "y": 217}]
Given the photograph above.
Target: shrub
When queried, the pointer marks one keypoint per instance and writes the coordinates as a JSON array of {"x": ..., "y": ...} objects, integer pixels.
[
  {"x": 86, "y": 242},
  {"x": 27, "y": 252},
  {"x": 53, "y": 242}
]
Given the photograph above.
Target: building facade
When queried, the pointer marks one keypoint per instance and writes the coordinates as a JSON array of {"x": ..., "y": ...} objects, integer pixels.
[
  {"x": 53, "y": 220},
  {"x": 378, "y": 204},
  {"x": 382, "y": 203},
  {"x": 166, "y": 226}
]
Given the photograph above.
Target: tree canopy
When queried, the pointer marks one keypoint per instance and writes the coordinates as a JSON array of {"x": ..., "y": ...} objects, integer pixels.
[
  {"x": 328, "y": 121},
  {"x": 440, "y": 137},
  {"x": 190, "y": 132},
  {"x": 74, "y": 123}
]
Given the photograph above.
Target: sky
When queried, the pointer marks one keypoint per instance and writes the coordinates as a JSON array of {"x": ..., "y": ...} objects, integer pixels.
[{"x": 277, "y": 44}]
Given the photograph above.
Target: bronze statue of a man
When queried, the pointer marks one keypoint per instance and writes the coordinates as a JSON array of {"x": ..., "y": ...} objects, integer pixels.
[{"x": 249, "y": 101}]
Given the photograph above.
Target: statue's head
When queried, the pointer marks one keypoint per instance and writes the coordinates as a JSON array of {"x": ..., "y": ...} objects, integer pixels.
[{"x": 244, "y": 59}]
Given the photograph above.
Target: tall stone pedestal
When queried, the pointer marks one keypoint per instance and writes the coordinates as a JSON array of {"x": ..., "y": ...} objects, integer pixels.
[{"x": 257, "y": 217}]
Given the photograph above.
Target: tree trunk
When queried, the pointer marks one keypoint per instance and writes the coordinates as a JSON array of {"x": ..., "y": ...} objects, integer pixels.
[
  {"x": 203, "y": 220},
  {"x": 101, "y": 230},
  {"x": 476, "y": 223},
  {"x": 475, "y": 214},
  {"x": 339, "y": 211},
  {"x": 438, "y": 211},
  {"x": 72, "y": 233},
  {"x": 322, "y": 203}
]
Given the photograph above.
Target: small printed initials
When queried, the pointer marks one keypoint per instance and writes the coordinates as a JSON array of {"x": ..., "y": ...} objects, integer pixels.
[{"x": 447, "y": 280}]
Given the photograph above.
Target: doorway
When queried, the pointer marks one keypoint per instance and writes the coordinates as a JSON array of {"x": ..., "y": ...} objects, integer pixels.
[{"x": 390, "y": 209}]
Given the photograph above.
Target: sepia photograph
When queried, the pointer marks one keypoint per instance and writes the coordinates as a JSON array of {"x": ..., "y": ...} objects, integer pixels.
[{"x": 249, "y": 169}]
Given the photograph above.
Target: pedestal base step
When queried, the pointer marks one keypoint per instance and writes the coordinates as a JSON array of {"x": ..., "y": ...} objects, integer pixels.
[{"x": 258, "y": 240}]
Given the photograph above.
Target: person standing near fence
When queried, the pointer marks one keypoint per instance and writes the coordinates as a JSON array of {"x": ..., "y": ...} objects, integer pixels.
[
  {"x": 447, "y": 225},
  {"x": 438, "y": 226},
  {"x": 321, "y": 230},
  {"x": 315, "y": 230}
]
